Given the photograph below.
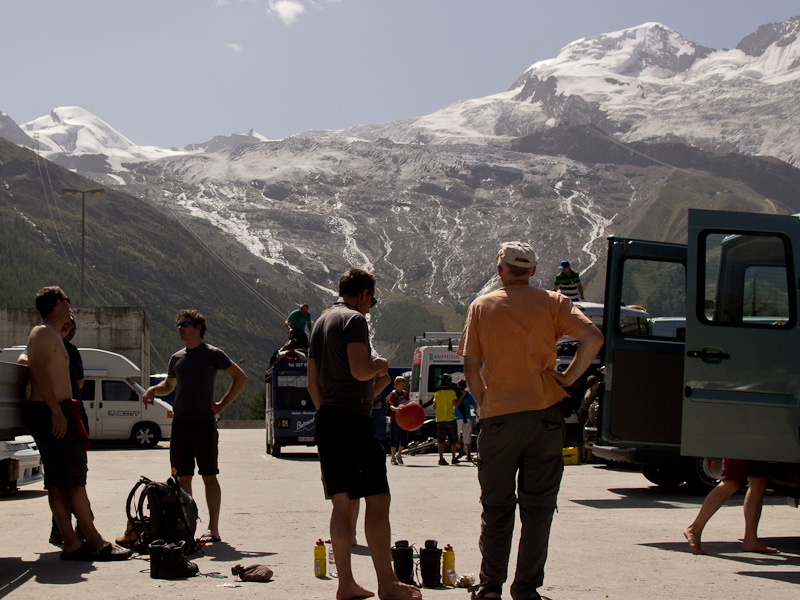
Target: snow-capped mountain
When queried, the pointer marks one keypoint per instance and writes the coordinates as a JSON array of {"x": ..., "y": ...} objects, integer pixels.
[
  {"x": 618, "y": 134},
  {"x": 640, "y": 84},
  {"x": 73, "y": 131}
]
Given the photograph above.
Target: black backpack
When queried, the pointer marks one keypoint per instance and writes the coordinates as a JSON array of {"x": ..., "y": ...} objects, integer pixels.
[{"x": 171, "y": 514}]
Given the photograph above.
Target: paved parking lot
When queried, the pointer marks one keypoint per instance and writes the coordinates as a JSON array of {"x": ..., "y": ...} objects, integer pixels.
[{"x": 615, "y": 536}]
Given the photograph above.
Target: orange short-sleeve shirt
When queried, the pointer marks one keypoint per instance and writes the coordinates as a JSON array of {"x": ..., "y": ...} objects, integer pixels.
[{"x": 514, "y": 331}]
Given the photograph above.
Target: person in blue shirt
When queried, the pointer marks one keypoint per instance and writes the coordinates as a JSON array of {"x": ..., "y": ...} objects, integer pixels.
[{"x": 463, "y": 412}]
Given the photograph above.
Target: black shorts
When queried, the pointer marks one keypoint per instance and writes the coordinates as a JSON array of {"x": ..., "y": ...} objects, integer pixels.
[
  {"x": 447, "y": 432},
  {"x": 352, "y": 459},
  {"x": 194, "y": 440},
  {"x": 64, "y": 459}
]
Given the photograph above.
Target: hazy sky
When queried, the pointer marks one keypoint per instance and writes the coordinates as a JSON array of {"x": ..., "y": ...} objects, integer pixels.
[{"x": 174, "y": 72}]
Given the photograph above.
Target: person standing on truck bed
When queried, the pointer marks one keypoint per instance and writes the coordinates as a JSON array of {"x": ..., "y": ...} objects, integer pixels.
[
  {"x": 568, "y": 282},
  {"x": 53, "y": 418},
  {"x": 513, "y": 332},
  {"x": 343, "y": 378},
  {"x": 191, "y": 373},
  {"x": 297, "y": 323}
]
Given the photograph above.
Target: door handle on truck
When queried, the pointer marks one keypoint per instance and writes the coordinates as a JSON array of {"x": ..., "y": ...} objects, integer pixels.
[{"x": 710, "y": 354}]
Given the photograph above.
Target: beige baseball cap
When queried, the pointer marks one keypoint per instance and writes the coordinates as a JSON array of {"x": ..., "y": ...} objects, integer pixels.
[{"x": 518, "y": 254}]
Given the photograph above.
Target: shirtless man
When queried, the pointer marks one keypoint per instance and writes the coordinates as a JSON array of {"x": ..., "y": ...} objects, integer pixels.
[{"x": 52, "y": 417}]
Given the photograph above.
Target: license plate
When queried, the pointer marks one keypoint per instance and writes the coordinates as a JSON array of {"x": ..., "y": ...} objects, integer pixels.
[{"x": 305, "y": 439}]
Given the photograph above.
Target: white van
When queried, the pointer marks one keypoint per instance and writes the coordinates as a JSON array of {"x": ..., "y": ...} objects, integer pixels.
[
  {"x": 113, "y": 399},
  {"x": 431, "y": 362}
]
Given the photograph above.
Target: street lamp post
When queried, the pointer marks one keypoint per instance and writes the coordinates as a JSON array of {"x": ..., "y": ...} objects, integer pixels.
[{"x": 74, "y": 192}]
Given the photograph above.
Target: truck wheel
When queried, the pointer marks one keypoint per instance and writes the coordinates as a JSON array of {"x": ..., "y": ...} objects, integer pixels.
[
  {"x": 702, "y": 474},
  {"x": 668, "y": 477},
  {"x": 275, "y": 450},
  {"x": 146, "y": 435}
]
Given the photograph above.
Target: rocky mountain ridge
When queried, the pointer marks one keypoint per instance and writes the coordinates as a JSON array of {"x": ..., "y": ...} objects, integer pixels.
[{"x": 618, "y": 134}]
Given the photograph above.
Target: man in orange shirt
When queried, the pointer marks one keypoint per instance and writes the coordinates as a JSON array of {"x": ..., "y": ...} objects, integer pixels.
[{"x": 513, "y": 332}]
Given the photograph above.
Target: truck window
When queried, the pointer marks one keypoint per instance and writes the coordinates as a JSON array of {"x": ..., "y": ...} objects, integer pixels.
[
  {"x": 119, "y": 391},
  {"x": 659, "y": 287},
  {"x": 435, "y": 373},
  {"x": 87, "y": 391},
  {"x": 291, "y": 392},
  {"x": 747, "y": 280},
  {"x": 415, "y": 370}
]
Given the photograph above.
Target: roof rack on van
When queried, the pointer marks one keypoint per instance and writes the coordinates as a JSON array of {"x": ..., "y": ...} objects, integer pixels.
[{"x": 440, "y": 338}]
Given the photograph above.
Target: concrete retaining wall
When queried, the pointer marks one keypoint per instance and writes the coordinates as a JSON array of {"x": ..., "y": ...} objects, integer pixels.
[{"x": 121, "y": 329}]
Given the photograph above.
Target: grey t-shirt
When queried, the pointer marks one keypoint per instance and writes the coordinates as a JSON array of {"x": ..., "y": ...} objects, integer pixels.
[
  {"x": 195, "y": 371},
  {"x": 332, "y": 332}
]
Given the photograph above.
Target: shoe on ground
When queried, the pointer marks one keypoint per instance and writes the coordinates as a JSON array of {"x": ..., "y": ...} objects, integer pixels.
[
  {"x": 442, "y": 462},
  {"x": 460, "y": 454},
  {"x": 400, "y": 460},
  {"x": 394, "y": 460},
  {"x": 455, "y": 461}
]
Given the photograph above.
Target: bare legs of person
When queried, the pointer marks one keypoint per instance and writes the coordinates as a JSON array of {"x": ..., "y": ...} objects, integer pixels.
[
  {"x": 752, "y": 513},
  {"x": 453, "y": 450},
  {"x": 342, "y": 527},
  {"x": 715, "y": 499},
  {"x": 378, "y": 532},
  {"x": 753, "y": 501},
  {"x": 441, "y": 446},
  {"x": 213, "y": 500},
  {"x": 64, "y": 503},
  {"x": 356, "y": 508}
]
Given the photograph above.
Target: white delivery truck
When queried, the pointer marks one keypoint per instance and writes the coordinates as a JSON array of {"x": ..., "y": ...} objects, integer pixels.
[
  {"x": 430, "y": 362},
  {"x": 113, "y": 399}
]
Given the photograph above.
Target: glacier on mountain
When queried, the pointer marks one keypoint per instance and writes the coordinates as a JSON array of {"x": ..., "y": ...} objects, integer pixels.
[{"x": 424, "y": 201}]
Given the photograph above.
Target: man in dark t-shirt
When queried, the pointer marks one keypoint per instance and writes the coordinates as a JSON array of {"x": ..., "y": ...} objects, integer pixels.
[
  {"x": 343, "y": 379},
  {"x": 191, "y": 373}
]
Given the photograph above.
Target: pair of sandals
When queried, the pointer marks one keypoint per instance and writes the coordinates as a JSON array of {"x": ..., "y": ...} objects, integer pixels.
[{"x": 108, "y": 553}]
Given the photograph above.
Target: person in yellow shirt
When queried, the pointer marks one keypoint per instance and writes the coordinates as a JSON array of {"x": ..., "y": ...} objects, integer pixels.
[{"x": 446, "y": 429}]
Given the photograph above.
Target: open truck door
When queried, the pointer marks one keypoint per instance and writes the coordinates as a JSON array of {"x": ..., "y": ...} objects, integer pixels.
[
  {"x": 742, "y": 341},
  {"x": 640, "y": 411}
]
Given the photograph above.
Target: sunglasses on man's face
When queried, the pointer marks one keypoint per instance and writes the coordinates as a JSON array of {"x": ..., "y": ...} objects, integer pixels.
[
  {"x": 374, "y": 302},
  {"x": 184, "y": 324}
]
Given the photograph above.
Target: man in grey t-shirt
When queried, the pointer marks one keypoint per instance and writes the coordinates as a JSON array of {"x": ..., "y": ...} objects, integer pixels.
[
  {"x": 343, "y": 379},
  {"x": 192, "y": 371}
]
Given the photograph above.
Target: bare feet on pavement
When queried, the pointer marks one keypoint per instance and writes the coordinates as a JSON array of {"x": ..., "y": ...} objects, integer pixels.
[
  {"x": 694, "y": 540},
  {"x": 399, "y": 591},
  {"x": 353, "y": 592},
  {"x": 759, "y": 547}
]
